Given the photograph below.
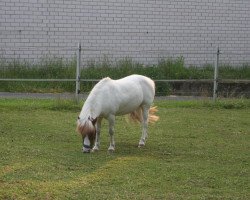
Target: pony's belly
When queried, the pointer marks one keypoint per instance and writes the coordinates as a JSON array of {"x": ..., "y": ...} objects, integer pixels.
[{"x": 128, "y": 107}]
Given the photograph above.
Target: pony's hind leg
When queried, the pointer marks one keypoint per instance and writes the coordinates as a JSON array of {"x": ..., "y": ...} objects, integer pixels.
[
  {"x": 97, "y": 139},
  {"x": 144, "y": 135},
  {"x": 111, "y": 120}
]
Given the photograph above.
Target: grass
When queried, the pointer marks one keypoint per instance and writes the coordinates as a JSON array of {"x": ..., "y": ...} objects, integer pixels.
[
  {"x": 198, "y": 150},
  {"x": 47, "y": 68},
  {"x": 57, "y": 68}
]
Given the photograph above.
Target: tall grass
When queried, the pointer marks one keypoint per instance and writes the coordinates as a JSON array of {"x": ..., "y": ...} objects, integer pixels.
[
  {"x": 58, "y": 68},
  {"x": 47, "y": 68}
]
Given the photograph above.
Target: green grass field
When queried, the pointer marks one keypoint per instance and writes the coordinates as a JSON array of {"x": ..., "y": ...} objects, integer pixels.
[{"x": 198, "y": 150}]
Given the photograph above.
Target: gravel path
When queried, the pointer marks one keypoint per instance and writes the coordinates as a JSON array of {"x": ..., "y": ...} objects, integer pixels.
[{"x": 14, "y": 95}]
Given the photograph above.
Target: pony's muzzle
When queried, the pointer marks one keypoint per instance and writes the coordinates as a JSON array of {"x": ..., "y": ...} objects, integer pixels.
[{"x": 86, "y": 149}]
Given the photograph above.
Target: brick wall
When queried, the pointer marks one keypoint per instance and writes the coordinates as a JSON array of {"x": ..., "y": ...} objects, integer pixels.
[{"x": 145, "y": 30}]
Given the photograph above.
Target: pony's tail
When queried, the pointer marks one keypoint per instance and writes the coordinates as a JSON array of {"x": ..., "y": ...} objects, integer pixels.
[
  {"x": 136, "y": 116},
  {"x": 152, "y": 117}
]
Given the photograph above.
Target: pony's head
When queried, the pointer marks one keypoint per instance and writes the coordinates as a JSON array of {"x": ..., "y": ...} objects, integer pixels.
[{"x": 88, "y": 131}]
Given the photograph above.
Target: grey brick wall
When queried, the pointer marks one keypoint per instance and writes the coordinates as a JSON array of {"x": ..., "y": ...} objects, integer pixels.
[{"x": 145, "y": 30}]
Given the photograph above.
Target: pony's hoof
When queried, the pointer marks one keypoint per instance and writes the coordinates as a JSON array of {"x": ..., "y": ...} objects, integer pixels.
[
  {"x": 86, "y": 151},
  {"x": 95, "y": 150},
  {"x": 141, "y": 143},
  {"x": 111, "y": 149},
  {"x": 111, "y": 152}
]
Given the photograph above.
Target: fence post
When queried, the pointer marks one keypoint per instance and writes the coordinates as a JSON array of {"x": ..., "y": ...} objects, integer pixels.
[
  {"x": 78, "y": 72},
  {"x": 216, "y": 66}
]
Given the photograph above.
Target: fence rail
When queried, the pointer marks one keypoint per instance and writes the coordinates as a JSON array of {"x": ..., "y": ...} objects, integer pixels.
[
  {"x": 156, "y": 80},
  {"x": 37, "y": 80},
  {"x": 80, "y": 53}
]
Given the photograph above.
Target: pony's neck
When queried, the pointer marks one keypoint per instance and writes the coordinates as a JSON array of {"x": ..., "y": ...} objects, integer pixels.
[{"x": 92, "y": 107}]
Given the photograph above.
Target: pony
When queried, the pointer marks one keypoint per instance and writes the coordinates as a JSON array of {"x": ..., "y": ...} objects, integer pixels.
[{"x": 132, "y": 95}]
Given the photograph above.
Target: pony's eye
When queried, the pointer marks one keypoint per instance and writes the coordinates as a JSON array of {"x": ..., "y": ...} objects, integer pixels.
[{"x": 78, "y": 117}]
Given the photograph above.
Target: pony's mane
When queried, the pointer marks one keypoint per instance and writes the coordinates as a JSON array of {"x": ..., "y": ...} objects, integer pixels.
[
  {"x": 86, "y": 128},
  {"x": 99, "y": 86}
]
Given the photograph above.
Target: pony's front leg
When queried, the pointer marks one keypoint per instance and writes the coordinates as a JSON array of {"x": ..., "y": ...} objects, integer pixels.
[
  {"x": 97, "y": 139},
  {"x": 111, "y": 120},
  {"x": 145, "y": 111}
]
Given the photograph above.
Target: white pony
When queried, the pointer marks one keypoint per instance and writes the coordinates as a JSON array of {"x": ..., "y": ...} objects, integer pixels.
[{"x": 130, "y": 95}]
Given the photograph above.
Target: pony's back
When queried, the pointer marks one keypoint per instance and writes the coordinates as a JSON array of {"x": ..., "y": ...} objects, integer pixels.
[{"x": 147, "y": 84}]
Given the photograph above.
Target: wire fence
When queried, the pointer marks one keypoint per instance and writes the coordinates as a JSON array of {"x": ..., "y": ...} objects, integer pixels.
[{"x": 75, "y": 72}]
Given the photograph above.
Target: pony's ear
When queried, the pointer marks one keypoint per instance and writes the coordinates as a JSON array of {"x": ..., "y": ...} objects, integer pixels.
[{"x": 92, "y": 120}]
